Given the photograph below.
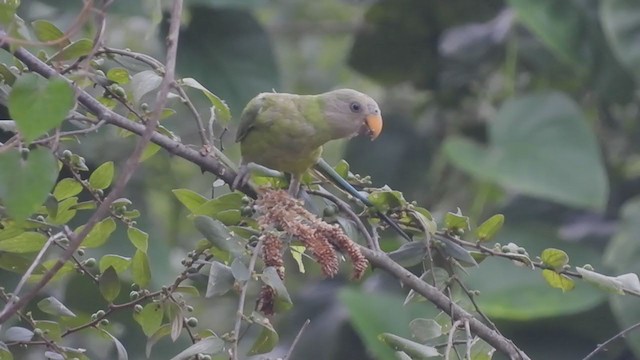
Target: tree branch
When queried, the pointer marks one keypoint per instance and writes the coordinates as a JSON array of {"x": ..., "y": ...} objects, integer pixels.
[{"x": 384, "y": 262}]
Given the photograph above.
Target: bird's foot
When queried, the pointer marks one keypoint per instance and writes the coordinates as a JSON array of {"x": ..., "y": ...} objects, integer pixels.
[
  {"x": 245, "y": 171},
  {"x": 242, "y": 177}
]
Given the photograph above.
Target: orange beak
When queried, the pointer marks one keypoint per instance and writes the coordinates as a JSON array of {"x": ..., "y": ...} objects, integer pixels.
[{"x": 374, "y": 123}]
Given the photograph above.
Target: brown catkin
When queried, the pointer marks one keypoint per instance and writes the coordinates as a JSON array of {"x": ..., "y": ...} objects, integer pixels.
[{"x": 280, "y": 211}]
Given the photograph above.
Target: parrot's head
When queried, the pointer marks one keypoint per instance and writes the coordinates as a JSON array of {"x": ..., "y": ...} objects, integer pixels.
[{"x": 350, "y": 113}]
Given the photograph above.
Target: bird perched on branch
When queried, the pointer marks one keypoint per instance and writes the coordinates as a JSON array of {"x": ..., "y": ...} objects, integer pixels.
[{"x": 285, "y": 132}]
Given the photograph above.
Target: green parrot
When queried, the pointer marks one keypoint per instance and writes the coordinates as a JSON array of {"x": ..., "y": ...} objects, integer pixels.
[{"x": 285, "y": 132}]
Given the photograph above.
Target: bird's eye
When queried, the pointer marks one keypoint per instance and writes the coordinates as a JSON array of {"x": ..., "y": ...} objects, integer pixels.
[{"x": 355, "y": 107}]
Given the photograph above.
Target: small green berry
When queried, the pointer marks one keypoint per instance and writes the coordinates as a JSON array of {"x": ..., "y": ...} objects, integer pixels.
[{"x": 192, "y": 322}]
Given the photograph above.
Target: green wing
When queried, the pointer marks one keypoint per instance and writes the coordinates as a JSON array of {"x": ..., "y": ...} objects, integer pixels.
[{"x": 249, "y": 117}]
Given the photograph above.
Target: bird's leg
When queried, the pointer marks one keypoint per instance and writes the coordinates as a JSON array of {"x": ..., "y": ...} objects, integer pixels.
[
  {"x": 245, "y": 170},
  {"x": 294, "y": 186}
]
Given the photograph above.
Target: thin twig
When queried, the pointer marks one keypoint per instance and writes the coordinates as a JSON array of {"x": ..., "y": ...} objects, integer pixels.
[
  {"x": 243, "y": 295},
  {"x": 603, "y": 346},
  {"x": 144, "y": 58},
  {"x": 469, "y": 338},
  {"x": 452, "y": 332},
  {"x": 84, "y": 131},
  {"x": 297, "y": 338},
  {"x": 475, "y": 304},
  {"x": 344, "y": 207},
  {"x": 196, "y": 115}
]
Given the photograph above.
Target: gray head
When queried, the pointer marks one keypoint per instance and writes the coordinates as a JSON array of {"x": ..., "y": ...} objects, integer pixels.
[{"x": 350, "y": 112}]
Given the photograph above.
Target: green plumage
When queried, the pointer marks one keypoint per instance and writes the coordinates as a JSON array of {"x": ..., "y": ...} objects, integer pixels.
[{"x": 283, "y": 132}]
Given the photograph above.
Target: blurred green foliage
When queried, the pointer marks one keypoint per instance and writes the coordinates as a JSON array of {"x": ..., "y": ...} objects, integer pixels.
[{"x": 528, "y": 108}]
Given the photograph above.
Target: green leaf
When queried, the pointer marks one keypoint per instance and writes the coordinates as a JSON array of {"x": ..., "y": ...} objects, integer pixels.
[
  {"x": 149, "y": 151},
  {"x": 239, "y": 270},
  {"x": 25, "y": 184},
  {"x": 102, "y": 177},
  {"x": 109, "y": 284},
  {"x": 67, "y": 268},
  {"x": 18, "y": 263},
  {"x": 621, "y": 23},
  {"x": 211, "y": 345},
  {"x": 409, "y": 254},
  {"x": 26, "y": 242},
  {"x": 52, "y": 328},
  {"x": 455, "y": 221},
  {"x": 187, "y": 289},
  {"x": 73, "y": 51},
  {"x": 425, "y": 219},
  {"x": 213, "y": 207},
  {"x": 138, "y": 238},
  {"x": 558, "y": 281},
  {"x": 85, "y": 205},
  {"x": 480, "y": 350},
  {"x": 296, "y": 254},
  {"x": 66, "y": 188},
  {"x": 163, "y": 331},
  {"x": 268, "y": 337},
  {"x": 413, "y": 349},
  {"x": 219, "y": 235},
  {"x": 150, "y": 318},
  {"x": 46, "y": 32},
  {"x": 120, "y": 349},
  {"x": 19, "y": 334},
  {"x": 342, "y": 168},
  {"x": 189, "y": 198},
  {"x": 220, "y": 279},
  {"x": 119, "y": 263},
  {"x": 38, "y": 105},
  {"x": 384, "y": 199},
  {"x": 66, "y": 211},
  {"x": 554, "y": 258},
  {"x": 490, "y": 228},
  {"x": 140, "y": 270},
  {"x": 5, "y": 354},
  {"x": 271, "y": 278},
  {"x": 6, "y": 75},
  {"x": 53, "y": 306},
  {"x": 174, "y": 313},
  {"x": 99, "y": 234},
  {"x": 425, "y": 329},
  {"x": 119, "y": 75},
  {"x": 550, "y": 154},
  {"x": 144, "y": 82},
  {"x": 219, "y": 109}
]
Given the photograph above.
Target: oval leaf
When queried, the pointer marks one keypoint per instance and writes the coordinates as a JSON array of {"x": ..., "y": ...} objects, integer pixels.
[
  {"x": 102, "y": 176},
  {"x": 211, "y": 345},
  {"x": 53, "y": 306},
  {"x": 109, "y": 284},
  {"x": 25, "y": 184},
  {"x": 38, "y": 105}
]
